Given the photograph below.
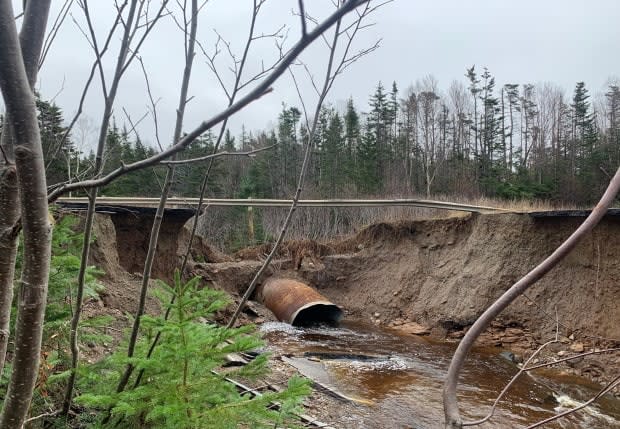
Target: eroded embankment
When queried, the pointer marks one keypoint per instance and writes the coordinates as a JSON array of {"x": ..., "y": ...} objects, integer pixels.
[
  {"x": 446, "y": 272},
  {"x": 441, "y": 274}
]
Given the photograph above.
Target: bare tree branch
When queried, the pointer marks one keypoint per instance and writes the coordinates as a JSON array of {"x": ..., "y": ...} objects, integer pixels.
[
  {"x": 39, "y": 417},
  {"x": 149, "y": 27},
  {"x": 93, "y": 39},
  {"x": 190, "y": 31},
  {"x": 203, "y": 187},
  {"x": 94, "y": 67},
  {"x": 451, "y": 411},
  {"x": 608, "y": 388},
  {"x": 58, "y": 22},
  {"x": 261, "y": 89},
  {"x": 573, "y": 357},
  {"x": 328, "y": 82},
  {"x": 302, "y": 15},
  {"x": 124, "y": 50},
  {"x": 134, "y": 124},
  {"x": 153, "y": 103},
  {"x": 510, "y": 384},
  {"x": 250, "y": 154}
]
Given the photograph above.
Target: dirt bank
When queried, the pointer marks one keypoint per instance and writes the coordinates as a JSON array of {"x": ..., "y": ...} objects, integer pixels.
[
  {"x": 446, "y": 272},
  {"x": 441, "y": 274},
  {"x": 421, "y": 276}
]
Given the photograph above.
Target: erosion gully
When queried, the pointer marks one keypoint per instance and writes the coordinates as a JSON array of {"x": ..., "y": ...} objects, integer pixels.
[{"x": 396, "y": 381}]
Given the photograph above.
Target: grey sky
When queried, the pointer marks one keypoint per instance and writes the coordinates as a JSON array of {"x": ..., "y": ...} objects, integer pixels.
[{"x": 526, "y": 41}]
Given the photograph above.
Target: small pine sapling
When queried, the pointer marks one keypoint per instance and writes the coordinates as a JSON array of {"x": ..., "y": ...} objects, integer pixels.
[
  {"x": 65, "y": 263},
  {"x": 182, "y": 387}
]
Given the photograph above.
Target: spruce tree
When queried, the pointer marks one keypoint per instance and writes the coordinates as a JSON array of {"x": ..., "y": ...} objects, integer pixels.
[
  {"x": 352, "y": 139},
  {"x": 58, "y": 152},
  {"x": 185, "y": 386}
]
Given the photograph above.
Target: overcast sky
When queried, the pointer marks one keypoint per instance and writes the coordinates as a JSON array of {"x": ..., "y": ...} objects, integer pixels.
[{"x": 526, "y": 41}]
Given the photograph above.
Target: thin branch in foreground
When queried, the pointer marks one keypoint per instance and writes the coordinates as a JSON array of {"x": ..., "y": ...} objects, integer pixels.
[
  {"x": 451, "y": 409},
  {"x": 261, "y": 89},
  {"x": 250, "y": 154},
  {"x": 510, "y": 384},
  {"x": 518, "y": 374},
  {"x": 327, "y": 85},
  {"x": 152, "y": 101},
  {"x": 573, "y": 357},
  {"x": 302, "y": 15},
  {"x": 190, "y": 31},
  {"x": 109, "y": 100},
  {"x": 39, "y": 417},
  {"x": 134, "y": 124},
  {"x": 203, "y": 186},
  {"x": 252, "y": 286},
  {"x": 610, "y": 386},
  {"x": 58, "y": 22}
]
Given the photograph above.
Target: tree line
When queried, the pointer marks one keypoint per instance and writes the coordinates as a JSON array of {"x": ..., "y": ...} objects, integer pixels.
[{"x": 473, "y": 139}]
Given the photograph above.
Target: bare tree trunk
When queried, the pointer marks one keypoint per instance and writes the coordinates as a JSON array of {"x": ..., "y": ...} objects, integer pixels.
[
  {"x": 31, "y": 42},
  {"x": 302, "y": 175},
  {"x": 504, "y": 162},
  {"x": 205, "y": 180},
  {"x": 18, "y": 73},
  {"x": 9, "y": 207},
  {"x": 332, "y": 66},
  {"x": 159, "y": 215},
  {"x": 92, "y": 196},
  {"x": 510, "y": 163},
  {"x": 8, "y": 246}
]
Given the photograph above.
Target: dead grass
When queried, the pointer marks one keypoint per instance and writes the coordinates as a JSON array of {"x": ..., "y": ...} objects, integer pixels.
[
  {"x": 521, "y": 206},
  {"x": 329, "y": 224}
]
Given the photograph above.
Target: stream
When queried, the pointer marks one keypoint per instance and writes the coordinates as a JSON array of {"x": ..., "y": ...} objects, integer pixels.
[{"x": 397, "y": 380}]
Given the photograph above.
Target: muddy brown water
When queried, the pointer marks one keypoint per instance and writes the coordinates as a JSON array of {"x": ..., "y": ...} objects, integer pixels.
[{"x": 397, "y": 380}]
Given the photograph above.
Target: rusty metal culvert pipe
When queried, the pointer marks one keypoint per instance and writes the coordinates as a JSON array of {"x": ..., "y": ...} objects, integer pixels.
[{"x": 296, "y": 303}]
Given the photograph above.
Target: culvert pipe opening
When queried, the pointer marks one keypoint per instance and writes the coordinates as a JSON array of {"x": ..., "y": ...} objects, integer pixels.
[{"x": 296, "y": 303}]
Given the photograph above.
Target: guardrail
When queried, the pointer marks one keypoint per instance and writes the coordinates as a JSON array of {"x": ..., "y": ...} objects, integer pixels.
[{"x": 254, "y": 202}]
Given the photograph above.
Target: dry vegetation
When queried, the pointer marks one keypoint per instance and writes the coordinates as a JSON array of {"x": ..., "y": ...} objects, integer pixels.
[{"x": 227, "y": 228}]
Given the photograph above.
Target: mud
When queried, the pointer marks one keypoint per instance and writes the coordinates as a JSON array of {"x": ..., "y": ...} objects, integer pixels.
[
  {"x": 417, "y": 277},
  {"x": 441, "y": 274}
]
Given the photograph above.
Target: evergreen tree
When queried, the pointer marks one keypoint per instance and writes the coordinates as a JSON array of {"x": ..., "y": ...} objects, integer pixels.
[
  {"x": 512, "y": 93},
  {"x": 183, "y": 388},
  {"x": 257, "y": 182},
  {"x": 288, "y": 148},
  {"x": 331, "y": 159},
  {"x": 474, "y": 89},
  {"x": 587, "y": 157},
  {"x": 529, "y": 110},
  {"x": 352, "y": 138},
  {"x": 121, "y": 150},
  {"x": 229, "y": 141},
  {"x": 58, "y": 152},
  {"x": 377, "y": 131},
  {"x": 189, "y": 177},
  {"x": 613, "y": 131},
  {"x": 369, "y": 177},
  {"x": 584, "y": 122},
  {"x": 490, "y": 122}
]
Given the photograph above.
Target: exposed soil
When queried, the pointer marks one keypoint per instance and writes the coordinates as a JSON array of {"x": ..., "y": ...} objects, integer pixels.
[
  {"x": 421, "y": 277},
  {"x": 439, "y": 275}
]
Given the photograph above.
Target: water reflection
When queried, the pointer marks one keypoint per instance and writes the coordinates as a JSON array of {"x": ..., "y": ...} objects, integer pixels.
[{"x": 402, "y": 376}]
